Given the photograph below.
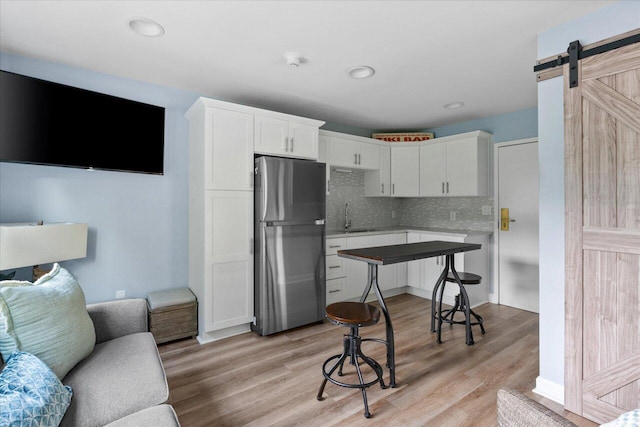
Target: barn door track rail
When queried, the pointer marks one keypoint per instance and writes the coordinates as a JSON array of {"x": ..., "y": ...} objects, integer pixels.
[{"x": 576, "y": 52}]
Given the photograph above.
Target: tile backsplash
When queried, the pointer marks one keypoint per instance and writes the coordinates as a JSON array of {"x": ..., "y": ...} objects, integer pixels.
[
  {"x": 364, "y": 211},
  {"x": 434, "y": 212}
]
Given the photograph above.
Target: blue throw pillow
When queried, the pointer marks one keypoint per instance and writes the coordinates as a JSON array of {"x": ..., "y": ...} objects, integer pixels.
[{"x": 31, "y": 395}]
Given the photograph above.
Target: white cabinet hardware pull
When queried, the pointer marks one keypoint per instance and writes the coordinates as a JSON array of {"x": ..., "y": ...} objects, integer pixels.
[
  {"x": 355, "y": 158},
  {"x": 285, "y": 145},
  {"x": 442, "y": 187},
  {"x": 383, "y": 188},
  {"x": 334, "y": 291},
  {"x": 447, "y": 187},
  {"x": 334, "y": 266},
  {"x": 335, "y": 246},
  {"x": 393, "y": 189},
  {"x": 291, "y": 141}
]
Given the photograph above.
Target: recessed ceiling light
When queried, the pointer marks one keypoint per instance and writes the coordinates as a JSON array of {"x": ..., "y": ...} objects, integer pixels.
[
  {"x": 146, "y": 27},
  {"x": 361, "y": 72},
  {"x": 453, "y": 105}
]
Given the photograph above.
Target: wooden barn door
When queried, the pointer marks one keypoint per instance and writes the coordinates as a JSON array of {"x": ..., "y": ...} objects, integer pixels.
[{"x": 602, "y": 235}]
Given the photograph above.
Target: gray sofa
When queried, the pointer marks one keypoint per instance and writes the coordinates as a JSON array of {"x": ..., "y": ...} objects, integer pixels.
[{"x": 122, "y": 382}]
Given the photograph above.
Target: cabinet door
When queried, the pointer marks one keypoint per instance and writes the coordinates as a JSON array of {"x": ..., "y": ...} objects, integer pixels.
[
  {"x": 405, "y": 171},
  {"x": 462, "y": 167},
  {"x": 342, "y": 153},
  {"x": 433, "y": 169},
  {"x": 413, "y": 267},
  {"x": 228, "y": 150},
  {"x": 386, "y": 273},
  {"x": 353, "y": 154},
  {"x": 272, "y": 136},
  {"x": 368, "y": 155},
  {"x": 303, "y": 141},
  {"x": 228, "y": 286},
  {"x": 394, "y": 275},
  {"x": 431, "y": 268},
  {"x": 377, "y": 183},
  {"x": 357, "y": 271}
]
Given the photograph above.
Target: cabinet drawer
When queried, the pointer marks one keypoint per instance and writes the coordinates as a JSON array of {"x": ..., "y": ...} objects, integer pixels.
[
  {"x": 335, "y": 290},
  {"x": 335, "y": 267},
  {"x": 334, "y": 245}
]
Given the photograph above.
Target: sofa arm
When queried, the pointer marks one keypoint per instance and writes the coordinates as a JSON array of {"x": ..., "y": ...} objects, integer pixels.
[
  {"x": 113, "y": 319},
  {"x": 517, "y": 410}
]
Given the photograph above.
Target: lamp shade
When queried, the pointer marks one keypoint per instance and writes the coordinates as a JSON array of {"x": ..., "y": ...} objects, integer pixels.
[{"x": 29, "y": 244}]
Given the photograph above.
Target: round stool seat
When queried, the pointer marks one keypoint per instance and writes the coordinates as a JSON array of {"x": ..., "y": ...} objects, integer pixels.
[
  {"x": 465, "y": 278},
  {"x": 353, "y": 313}
]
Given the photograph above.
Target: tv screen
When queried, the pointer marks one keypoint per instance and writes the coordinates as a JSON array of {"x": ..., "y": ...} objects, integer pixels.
[{"x": 52, "y": 124}]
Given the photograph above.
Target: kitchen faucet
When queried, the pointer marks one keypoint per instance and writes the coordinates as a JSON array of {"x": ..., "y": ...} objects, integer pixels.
[{"x": 347, "y": 220}]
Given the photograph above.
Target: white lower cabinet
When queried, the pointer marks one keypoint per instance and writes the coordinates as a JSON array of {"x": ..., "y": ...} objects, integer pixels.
[
  {"x": 423, "y": 274},
  {"x": 347, "y": 280},
  {"x": 335, "y": 270},
  {"x": 227, "y": 293}
]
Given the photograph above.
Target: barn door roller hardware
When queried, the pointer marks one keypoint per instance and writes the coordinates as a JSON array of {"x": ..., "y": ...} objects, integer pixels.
[{"x": 576, "y": 53}]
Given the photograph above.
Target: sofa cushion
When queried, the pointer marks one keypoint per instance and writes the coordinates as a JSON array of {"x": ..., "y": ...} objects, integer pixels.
[
  {"x": 30, "y": 393},
  {"x": 121, "y": 376},
  {"x": 628, "y": 419},
  {"x": 48, "y": 319},
  {"x": 156, "y": 416}
]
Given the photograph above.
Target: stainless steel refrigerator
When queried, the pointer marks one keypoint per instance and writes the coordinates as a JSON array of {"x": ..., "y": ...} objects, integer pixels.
[{"x": 290, "y": 196}]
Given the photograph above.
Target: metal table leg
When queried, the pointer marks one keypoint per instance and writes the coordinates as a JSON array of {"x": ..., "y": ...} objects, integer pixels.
[
  {"x": 372, "y": 282},
  {"x": 463, "y": 292}
]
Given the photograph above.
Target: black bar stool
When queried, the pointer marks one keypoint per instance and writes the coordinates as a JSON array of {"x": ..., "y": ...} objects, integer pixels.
[
  {"x": 461, "y": 305},
  {"x": 354, "y": 315}
]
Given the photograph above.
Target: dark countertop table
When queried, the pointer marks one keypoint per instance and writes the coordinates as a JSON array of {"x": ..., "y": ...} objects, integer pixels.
[
  {"x": 392, "y": 254},
  {"x": 384, "y": 255}
]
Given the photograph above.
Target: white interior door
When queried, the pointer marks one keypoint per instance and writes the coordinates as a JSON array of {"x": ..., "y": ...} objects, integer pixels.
[{"x": 517, "y": 191}]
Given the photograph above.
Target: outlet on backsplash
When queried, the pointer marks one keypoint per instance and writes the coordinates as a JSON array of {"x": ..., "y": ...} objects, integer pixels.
[
  {"x": 453, "y": 215},
  {"x": 486, "y": 210}
]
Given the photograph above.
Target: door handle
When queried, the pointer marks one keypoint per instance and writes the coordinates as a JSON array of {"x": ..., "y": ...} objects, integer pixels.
[{"x": 504, "y": 219}]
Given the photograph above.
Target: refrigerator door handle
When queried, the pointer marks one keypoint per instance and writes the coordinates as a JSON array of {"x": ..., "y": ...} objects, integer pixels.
[{"x": 285, "y": 223}]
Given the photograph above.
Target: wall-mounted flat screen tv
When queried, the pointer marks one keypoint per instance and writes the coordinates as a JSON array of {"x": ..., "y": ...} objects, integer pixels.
[{"x": 48, "y": 123}]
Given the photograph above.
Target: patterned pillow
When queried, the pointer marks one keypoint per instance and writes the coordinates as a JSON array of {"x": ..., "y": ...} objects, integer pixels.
[
  {"x": 30, "y": 393},
  {"x": 48, "y": 319},
  {"x": 628, "y": 419}
]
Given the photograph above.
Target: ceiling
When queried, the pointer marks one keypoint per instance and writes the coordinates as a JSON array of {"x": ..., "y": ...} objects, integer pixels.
[{"x": 425, "y": 53}]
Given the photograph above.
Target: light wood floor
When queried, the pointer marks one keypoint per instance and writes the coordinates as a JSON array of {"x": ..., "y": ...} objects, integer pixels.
[{"x": 263, "y": 381}]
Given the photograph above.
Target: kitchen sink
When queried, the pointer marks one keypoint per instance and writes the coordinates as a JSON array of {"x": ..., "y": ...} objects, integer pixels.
[{"x": 358, "y": 230}]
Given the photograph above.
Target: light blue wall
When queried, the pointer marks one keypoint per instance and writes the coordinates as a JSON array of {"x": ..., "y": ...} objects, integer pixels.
[
  {"x": 613, "y": 20},
  {"x": 504, "y": 127},
  {"x": 137, "y": 223}
]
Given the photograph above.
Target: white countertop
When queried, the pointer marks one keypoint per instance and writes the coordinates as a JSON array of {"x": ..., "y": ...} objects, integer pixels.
[{"x": 366, "y": 231}]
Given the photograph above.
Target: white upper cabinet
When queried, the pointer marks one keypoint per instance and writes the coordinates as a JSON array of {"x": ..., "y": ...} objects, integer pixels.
[
  {"x": 377, "y": 183},
  {"x": 455, "y": 165},
  {"x": 287, "y": 138},
  {"x": 405, "y": 171},
  {"x": 433, "y": 169},
  {"x": 228, "y": 150},
  {"x": 350, "y": 151}
]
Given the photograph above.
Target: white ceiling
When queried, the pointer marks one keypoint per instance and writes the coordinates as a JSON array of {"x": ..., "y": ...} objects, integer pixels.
[{"x": 425, "y": 53}]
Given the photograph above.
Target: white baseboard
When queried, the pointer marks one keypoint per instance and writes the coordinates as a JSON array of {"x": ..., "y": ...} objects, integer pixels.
[
  {"x": 550, "y": 390},
  {"x": 207, "y": 337}
]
